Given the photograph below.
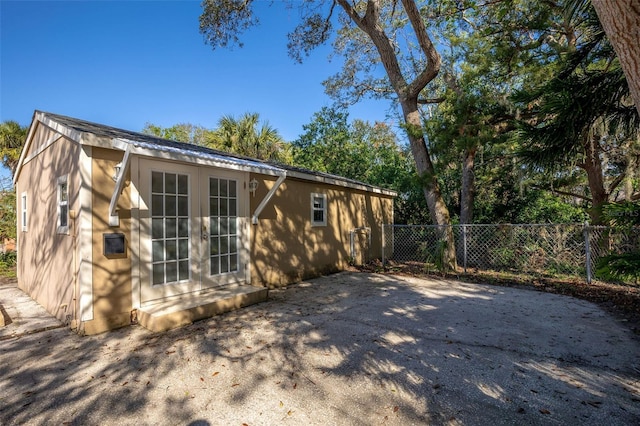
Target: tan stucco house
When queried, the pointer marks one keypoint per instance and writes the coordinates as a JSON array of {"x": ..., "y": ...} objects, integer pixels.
[{"x": 116, "y": 226}]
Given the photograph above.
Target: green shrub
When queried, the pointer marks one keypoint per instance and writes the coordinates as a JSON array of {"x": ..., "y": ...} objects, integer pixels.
[
  {"x": 8, "y": 264},
  {"x": 619, "y": 267},
  {"x": 9, "y": 258}
]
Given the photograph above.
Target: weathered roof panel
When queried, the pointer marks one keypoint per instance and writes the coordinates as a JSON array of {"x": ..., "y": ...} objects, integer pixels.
[{"x": 153, "y": 143}]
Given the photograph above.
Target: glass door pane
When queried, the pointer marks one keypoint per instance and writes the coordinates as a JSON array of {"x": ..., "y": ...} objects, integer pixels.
[
  {"x": 170, "y": 224},
  {"x": 223, "y": 226}
]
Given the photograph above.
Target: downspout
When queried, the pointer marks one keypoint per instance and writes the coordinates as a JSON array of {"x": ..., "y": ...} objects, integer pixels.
[
  {"x": 114, "y": 219},
  {"x": 267, "y": 198}
]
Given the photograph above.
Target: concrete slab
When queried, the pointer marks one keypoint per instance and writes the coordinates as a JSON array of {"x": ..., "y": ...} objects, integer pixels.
[
  {"x": 175, "y": 313},
  {"x": 22, "y": 315},
  {"x": 347, "y": 349}
]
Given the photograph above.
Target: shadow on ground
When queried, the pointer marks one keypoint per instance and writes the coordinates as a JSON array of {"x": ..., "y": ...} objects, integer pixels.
[{"x": 344, "y": 349}]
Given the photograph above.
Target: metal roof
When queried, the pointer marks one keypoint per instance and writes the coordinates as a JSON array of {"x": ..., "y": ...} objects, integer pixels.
[
  {"x": 150, "y": 145},
  {"x": 154, "y": 143}
]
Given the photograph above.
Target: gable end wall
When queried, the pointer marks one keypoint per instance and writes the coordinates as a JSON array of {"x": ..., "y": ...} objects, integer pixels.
[{"x": 47, "y": 264}]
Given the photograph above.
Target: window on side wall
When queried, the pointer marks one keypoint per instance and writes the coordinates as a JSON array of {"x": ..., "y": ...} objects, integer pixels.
[
  {"x": 63, "y": 205},
  {"x": 318, "y": 209},
  {"x": 23, "y": 211}
]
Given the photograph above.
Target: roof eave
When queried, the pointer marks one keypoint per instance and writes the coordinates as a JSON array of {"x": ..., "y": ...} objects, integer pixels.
[
  {"x": 336, "y": 181},
  {"x": 41, "y": 117},
  {"x": 169, "y": 153}
]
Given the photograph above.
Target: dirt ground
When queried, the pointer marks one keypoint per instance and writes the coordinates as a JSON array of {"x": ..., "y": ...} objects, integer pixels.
[
  {"x": 623, "y": 301},
  {"x": 345, "y": 349}
]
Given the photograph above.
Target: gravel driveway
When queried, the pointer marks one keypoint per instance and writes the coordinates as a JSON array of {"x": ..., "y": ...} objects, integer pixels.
[{"x": 346, "y": 349}]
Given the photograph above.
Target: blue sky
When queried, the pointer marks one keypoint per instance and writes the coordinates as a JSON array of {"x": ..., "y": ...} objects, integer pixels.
[{"x": 126, "y": 63}]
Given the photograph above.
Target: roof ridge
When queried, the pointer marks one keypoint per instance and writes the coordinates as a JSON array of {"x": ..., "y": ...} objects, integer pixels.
[{"x": 133, "y": 136}]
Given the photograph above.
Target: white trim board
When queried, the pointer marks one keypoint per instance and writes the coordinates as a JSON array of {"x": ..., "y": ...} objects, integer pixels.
[{"x": 85, "y": 246}]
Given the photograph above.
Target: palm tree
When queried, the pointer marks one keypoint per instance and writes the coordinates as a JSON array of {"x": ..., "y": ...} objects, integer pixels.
[
  {"x": 583, "y": 116},
  {"x": 245, "y": 136},
  {"x": 12, "y": 138}
]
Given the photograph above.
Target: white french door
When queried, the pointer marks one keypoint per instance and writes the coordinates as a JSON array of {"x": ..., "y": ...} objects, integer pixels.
[
  {"x": 224, "y": 228},
  {"x": 193, "y": 229}
]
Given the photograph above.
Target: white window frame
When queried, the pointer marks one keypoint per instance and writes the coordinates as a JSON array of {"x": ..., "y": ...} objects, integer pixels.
[
  {"x": 314, "y": 209},
  {"x": 60, "y": 203},
  {"x": 23, "y": 212}
]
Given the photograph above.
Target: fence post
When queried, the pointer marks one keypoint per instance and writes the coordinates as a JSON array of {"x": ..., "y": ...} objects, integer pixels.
[
  {"x": 384, "y": 240},
  {"x": 464, "y": 247},
  {"x": 587, "y": 248}
]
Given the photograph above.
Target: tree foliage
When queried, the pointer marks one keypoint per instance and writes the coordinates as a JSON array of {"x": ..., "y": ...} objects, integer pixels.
[
  {"x": 583, "y": 116},
  {"x": 8, "y": 221},
  {"x": 366, "y": 152},
  {"x": 490, "y": 50},
  {"x": 496, "y": 49},
  {"x": 246, "y": 136},
  {"x": 622, "y": 266},
  {"x": 243, "y": 136},
  {"x": 222, "y": 21},
  {"x": 12, "y": 139},
  {"x": 388, "y": 34},
  {"x": 566, "y": 142},
  {"x": 182, "y": 132}
]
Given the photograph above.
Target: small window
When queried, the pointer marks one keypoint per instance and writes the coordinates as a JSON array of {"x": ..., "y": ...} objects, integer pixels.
[
  {"x": 318, "y": 209},
  {"x": 23, "y": 212},
  {"x": 63, "y": 205}
]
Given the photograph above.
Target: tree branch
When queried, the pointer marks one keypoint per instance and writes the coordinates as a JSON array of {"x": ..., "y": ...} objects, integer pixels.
[
  {"x": 568, "y": 194},
  {"x": 425, "y": 101},
  {"x": 433, "y": 57},
  {"x": 353, "y": 14},
  {"x": 327, "y": 22},
  {"x": 370, "y": 25},
  {"x": 373, "y": 11},
  {"x": 617, "y": 181}
]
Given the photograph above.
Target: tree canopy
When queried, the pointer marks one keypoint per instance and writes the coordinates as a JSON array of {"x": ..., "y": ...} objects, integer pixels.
[
  {"x": 12, "y": 138},
  {"x": 366, "y": 152},
  {"x": 507, "y": 110},
  {"x": 244, "y": 136},
  {"x": 387, "y": 51}
]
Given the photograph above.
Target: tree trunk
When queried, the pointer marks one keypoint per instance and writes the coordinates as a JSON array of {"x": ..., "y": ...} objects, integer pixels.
[
  {"x": 467, "y": 193},
  {"x": 437, "y": 208},
  {"x": 408, "y": 93},
  {"x": 621, "y": 21},
  {"x": 595, "y": 178}
]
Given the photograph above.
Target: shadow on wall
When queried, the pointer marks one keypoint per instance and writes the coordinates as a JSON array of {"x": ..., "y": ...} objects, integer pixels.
[
  {"x": 286, "y": 248},
  {"x": 49, "y": 261},
  {"x": 112, "y": 291},
  {"x": 47, "y": 272}
]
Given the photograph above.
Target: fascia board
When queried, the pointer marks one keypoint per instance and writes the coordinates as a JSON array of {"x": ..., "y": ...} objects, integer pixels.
[
  {"x": 338, "y": 182},
  {"x": 194, "y": 158},
  {"x": 167, "y": 153},
  {"x": 26, "y": 147},
  {"x": 72, "y": 134},
  {"x": 39, "y": 117}
]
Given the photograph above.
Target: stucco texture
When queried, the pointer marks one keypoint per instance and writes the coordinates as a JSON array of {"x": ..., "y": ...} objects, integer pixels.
[
  {"x": 47, "y": 265},
  {"x": 286, "y": 248},
  {"x": 112, "y": 302}
]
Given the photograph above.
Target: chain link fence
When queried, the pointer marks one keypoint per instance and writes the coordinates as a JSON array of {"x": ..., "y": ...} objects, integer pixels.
[{"x": 552, "y": 250}]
